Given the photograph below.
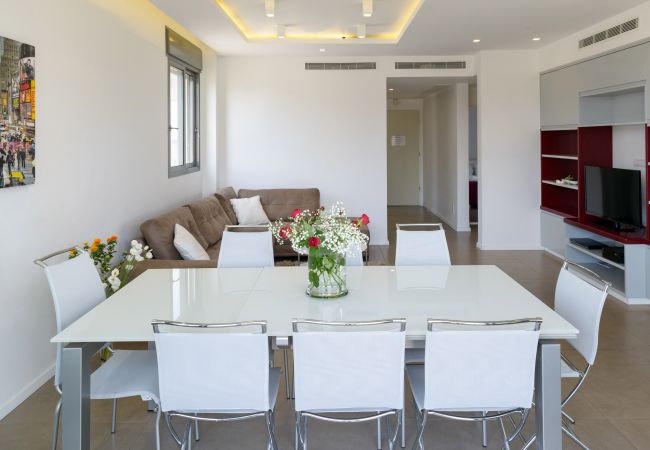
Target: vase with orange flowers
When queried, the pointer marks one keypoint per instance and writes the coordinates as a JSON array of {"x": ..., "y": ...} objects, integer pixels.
[
  {"x": 102, "y": 254},
  {"x": 327, "y": 237}
]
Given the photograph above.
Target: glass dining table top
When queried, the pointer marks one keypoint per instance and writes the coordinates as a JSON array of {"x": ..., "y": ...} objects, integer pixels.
[{"x": 277, "y": 295}]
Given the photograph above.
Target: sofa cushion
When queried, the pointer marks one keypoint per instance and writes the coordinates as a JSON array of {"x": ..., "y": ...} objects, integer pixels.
[
  {"x": 249, "y": 211},
  {"x": 159, "y": 232},
  {"x": 227, "y": 192},
  {"x": 213, "y": 252},
  {"x": 280, "y": 203},
  {"x": 227, "y": 207},
  {"x": 210, "y": 218},
  {"x": 187, "y": 245}
]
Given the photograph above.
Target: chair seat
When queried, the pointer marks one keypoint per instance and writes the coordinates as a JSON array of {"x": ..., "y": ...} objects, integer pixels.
[
  {"x": 567, "y": 372},
  {"x": 414, "y": 356},
  {"x": 128, "y": 373}
]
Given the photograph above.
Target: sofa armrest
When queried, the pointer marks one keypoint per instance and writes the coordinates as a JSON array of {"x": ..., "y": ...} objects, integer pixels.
[{"x": 171, "y": 264}]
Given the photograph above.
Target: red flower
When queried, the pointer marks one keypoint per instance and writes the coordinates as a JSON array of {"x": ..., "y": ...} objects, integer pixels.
[
  {"x": 314, "y": 241},
  {"x": 365, "y": 220},
  {"x": 285, "y": 232},
  {"x": 296, "y": 213}
]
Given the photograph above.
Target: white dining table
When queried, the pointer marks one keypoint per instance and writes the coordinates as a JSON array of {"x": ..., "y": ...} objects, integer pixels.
[{"x": 277, "y": 295}]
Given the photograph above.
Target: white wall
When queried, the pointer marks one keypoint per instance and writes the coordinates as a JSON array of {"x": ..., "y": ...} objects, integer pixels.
[
  {"x": 508, "y": 150},
  {"x": 102, "y": 156},
  {"x": 566, "y": 51},
  {"x": 429, "y": 151},
  {"x": 283, "y": 126}
]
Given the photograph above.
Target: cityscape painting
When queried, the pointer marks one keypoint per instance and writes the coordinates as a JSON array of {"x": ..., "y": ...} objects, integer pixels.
[{"x": 17, "y": 113}]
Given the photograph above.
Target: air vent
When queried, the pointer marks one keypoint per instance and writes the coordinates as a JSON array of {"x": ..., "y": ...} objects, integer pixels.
[
  {"x": 431, "y": 65},
  {"x": 341, "y": 66},
  {"x": 610, "y": 33}
]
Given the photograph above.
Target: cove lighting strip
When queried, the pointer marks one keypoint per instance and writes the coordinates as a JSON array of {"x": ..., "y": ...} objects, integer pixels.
[{"x": 391, "y": 37}]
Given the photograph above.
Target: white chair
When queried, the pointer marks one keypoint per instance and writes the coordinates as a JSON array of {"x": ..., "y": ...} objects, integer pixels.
[
  {"x": 580, "y": 296},
  {"x": 76, "y": 289},
  {"x": 418, "y": 247},
  {"x": 234, "y": 381},
  {"x": 354, "y": 258},
  {"x": 476, "y": 367},
  {"x": 246, "y": 248},
  {"x": 348, "y": 372}
]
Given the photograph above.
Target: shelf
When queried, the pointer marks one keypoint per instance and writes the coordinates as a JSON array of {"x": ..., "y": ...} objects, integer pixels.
[
  {"x": 555, "y": 183},
  {"x": 611, "y": 274},
  {"x": 598, "y": 254},
  {"x": 611, "y": 124},
  {"x": 629, "y": 237},
  {"x": 557, "y": 212},
  {"x": 571, "y": 157}
]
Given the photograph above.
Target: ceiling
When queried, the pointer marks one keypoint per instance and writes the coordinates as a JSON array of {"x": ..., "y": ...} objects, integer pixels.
[
  {"x": 440, "y": 27},
  {"x": 420, "y": 87},
  {"x": 315, "y": 21}
]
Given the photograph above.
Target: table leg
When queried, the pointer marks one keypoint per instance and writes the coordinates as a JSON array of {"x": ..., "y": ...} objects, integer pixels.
[
  {"x": 548, "y": 394},
  {"x": 151, "y": 405},
  {"x": 75, "y": 380}
]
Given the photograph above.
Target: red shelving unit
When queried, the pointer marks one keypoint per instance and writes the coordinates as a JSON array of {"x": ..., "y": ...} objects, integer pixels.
[
  {"x": 559, "y": 158},
  {"x": 647, "y": 183}
]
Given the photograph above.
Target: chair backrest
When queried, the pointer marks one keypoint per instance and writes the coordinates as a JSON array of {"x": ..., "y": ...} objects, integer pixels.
[
  {"x": 76, "y": 288},
  {"x": 346, "y": 368},
  {"x": 209, "y": 367},
  {"x": 354, "y": 257},
  {"x": 421, "y": 247},
  {"x": 246, "y": 249},
  {"x": 581, "y": 303},
  {"x": 480, "y": 366}
]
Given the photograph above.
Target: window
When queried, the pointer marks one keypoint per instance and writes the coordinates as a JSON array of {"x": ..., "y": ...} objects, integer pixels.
[
  {"x": 185, "y": 64},
  {"x": 183, "y": 119}
]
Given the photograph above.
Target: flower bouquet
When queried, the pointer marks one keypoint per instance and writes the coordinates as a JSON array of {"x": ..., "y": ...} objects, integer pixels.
[
  {"x": 326, "y": 237},
  {"x": 102, "y": 254}
]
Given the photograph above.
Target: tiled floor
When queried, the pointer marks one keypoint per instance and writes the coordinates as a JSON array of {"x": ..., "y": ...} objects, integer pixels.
[{"x": 612, "y": 409}]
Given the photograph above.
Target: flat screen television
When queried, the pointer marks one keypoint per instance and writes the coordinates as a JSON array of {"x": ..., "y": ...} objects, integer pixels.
[{"x": 614, "y": 195}]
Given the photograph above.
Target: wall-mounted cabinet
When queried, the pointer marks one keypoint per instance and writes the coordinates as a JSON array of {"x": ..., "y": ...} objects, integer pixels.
[
  {"x": 621, "y": 67},
  {"x": 559, "y": 98},
  {"x": 619, "y": 105}
]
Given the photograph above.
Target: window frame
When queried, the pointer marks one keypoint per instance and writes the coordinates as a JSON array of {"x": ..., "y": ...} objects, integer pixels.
[{"x": 194, "y": 166}]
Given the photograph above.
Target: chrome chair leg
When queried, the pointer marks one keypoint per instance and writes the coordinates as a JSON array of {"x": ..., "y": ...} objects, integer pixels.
[
  {"x": 114, "y": 416},
  {"x": 55, "y": 427},
  {"x": 378, "y": 433},
  {"x": 421, "y": 423},
  {"x": 196, "y": 429},
  {"x": 529, "y": 443},
  {"x": 403, "y": 428},
  {"x": 187, "y": 437},
  {"x": 569, "y": 418},
  {"x": 287, "y": 387},
  {"x": 506, "y": 444},
  {"x": 484, "y": 431},
  {"x": 304, "y": 437},
  {"x": 269, "y": 428},
  {"x": 158, "y": 413},
  {"x": 574, "y": 438}
]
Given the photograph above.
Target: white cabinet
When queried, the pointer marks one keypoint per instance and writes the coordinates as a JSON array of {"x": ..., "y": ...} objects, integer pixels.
[
  {"x": 553, "y": 230},
  {"x": 559, "y": 98},
  {"x": 625, "y": 66}
]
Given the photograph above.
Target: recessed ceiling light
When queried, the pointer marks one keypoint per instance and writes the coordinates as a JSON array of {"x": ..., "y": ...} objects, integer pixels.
[
  {"x": 281, "y": 32},
  {"x": 322, "y": 49},
  {"x": 361, "y": 31},
  {"x": 476, "y": 41},
  {"x": 269, "y": 8},
  {"x": 366, "y": 7},
  {"x": 391, "y": 89},
  {"x": 537, "y": 39}
]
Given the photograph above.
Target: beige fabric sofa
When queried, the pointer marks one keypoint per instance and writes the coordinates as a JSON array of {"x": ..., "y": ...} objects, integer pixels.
[{"x": 207, "y": 219}]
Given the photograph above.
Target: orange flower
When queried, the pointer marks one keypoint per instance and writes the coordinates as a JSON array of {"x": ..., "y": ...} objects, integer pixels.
[
  {"x": 97, "y": 241},
  {"x": 93, "y": 248},
  {"x": 111, "y": 239}
]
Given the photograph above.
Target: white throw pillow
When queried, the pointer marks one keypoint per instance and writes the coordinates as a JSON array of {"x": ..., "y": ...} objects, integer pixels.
[
  {"x": 249, "y": 211},
  {"x": 187, "y": 245}
]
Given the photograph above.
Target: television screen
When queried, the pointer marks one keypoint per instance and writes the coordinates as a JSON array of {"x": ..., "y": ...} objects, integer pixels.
[{"x": 614, "y": 194}]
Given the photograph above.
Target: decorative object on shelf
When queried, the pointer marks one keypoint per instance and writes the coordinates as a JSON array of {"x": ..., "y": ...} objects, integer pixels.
[
  {"x": 568, "y": 180},
  {"x": 17, "y": 113},
  {"x": 327, "y": 237},
  {"x": 102, "y": 253}
]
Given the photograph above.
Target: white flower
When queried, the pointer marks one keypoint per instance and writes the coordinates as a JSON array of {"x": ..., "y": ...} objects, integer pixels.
[
  {"x": 134, "y": 243},
  {"x": 146, "y": 247},
  {"x": 129, "y": 257},
  {"x": 115, "y": 273},
  {"x": 129, "y": 267},
  {"x": 139, "y": 258},
  {"x": 133, "y": 251},
  {"x": 149, "y": 255}
]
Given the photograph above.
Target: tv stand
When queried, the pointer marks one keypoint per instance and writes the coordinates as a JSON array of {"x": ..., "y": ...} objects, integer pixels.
[{"x": 628, "y": 278}]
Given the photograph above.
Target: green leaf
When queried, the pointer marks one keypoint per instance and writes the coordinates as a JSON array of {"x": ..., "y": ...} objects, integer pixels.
[{"x": 313, "y": 278}]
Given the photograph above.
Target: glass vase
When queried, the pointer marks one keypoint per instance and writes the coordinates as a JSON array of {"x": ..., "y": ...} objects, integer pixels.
[{"x": 326, "y": 274}]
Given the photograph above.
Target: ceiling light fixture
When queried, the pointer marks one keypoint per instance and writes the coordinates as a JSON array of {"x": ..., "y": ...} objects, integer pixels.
[
  {"x": 391, "y": 89},
  {"x": 366, "y": 6},
  {"x": 269, "y": 7},
  {"x": 537, "y": 39},
  {"x": 322, "y": 49},
  {"x": 476, "y": 41},
  {"x": 361, "y": 31},
  {"x": 280, "y": 33}
]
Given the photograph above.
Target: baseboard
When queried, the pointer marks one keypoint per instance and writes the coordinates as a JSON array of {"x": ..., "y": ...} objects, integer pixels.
[
  {"x": 25, "y": 392},
  {"x": 554, "y": 254},
  {"x": 510, "y": 247},
  {"x": 373, "y": 243},
  {"x": 450, "y": 223}
]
